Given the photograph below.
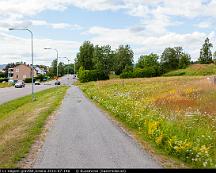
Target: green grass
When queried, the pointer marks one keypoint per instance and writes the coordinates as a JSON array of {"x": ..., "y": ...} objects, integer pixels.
[
  {"x": 194, "y": 70},
  {"x": 176, "y": 115},
  {"x": 4, "y": 85},
  {"x": 22, "y": 121},
  {"x": 114, "y": 76}
]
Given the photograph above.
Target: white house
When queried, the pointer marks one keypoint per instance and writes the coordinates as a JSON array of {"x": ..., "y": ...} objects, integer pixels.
[{"x": 40, "y": 71}]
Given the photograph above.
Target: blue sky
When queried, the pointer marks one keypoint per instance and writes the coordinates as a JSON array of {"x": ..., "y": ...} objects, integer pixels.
[{"x": 146, "y": 25}]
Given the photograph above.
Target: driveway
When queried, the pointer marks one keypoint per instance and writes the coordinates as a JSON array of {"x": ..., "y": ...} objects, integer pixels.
[{"x": 83, "y": 137}]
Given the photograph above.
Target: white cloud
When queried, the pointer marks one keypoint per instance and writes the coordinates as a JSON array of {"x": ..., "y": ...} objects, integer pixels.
[
  {"x": 8, "y": 23},
  {"x": 204, "y": 24},
  {"x": 150, "y": 34},
  {"x": 56, "y": 25},
  {"x": 145, "y": 43},
  {"x": 18, "y": 49},
  {"x": 65, "y": 26}
]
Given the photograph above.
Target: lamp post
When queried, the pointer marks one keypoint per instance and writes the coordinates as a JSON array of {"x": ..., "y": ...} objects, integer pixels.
[
  {"x": 32, "y": 55},
  {"x": 68, "y": 65},
  {"x": 47, "y": 48},
  {"x": 74, "y": 67}
]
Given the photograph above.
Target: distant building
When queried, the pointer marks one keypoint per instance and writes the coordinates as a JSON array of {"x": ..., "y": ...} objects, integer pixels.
[
  {"x": 10, "y": 73},
  {"x": 22, "y": 71},
  {"x": 40, "y": 71}
]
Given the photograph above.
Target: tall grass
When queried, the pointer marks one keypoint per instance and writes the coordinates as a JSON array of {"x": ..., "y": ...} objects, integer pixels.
[
  {"x": 176, "y": 114},
  {"x": 4, "y": 85}
]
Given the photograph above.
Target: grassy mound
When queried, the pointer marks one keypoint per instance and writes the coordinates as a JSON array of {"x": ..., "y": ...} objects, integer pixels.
[{"x": 194, "y": 70}]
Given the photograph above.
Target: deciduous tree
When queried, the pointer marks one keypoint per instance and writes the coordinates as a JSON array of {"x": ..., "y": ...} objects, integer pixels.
[
  {"x": 205, "y": 52},
  {"x": 123, "y": 57}
]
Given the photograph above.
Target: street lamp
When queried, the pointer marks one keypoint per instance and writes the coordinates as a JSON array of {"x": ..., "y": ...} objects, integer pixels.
[
  {"x": 68, "y": 65},
  {"x": 74, "y": 67},
  {"x": 32, "y": 68},
  {"x": 47, "y": 48}
]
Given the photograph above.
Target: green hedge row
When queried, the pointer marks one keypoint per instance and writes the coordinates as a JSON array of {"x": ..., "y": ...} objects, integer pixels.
[
  {"x": 3, "y": 79},
  {"x": 141, "y": 73},
  {"x": 29, "y": 80},
  {"x": 91, "y": 75}
]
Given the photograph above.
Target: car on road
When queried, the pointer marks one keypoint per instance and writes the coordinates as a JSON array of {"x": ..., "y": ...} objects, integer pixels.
[
  {"x": 74, "y": 76},
  {"x": 37, "y": 82},
  {"x": 19, "y": 84},
  {"x": 57, "y": 82},
  {"x": 11, "y": 81}
]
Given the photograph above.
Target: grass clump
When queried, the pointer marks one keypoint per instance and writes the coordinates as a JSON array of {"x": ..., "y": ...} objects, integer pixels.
[
  {"x": 176, "y": 114},
  {"x": 22, "y": 120},
  {"x": 4, "y": 85}
]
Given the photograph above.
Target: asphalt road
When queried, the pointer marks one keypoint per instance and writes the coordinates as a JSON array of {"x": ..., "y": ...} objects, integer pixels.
[
  {"x": 83, "y": 137},
  {"x": 11, "y": 93}
]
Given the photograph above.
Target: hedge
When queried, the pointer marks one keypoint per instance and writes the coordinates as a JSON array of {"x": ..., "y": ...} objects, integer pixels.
[
  {"x": 3, "y": 79},
  {"x": 91, "y": 75},
  {"x": 140, "y": 73},
  {"x": 29, "y": 80}
]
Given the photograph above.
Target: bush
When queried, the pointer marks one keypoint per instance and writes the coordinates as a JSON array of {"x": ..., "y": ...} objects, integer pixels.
[
  {"x": 140, "y": 73},
  {"x": 91, "y": 75},
  {"x": 28, "y": 80},
  {"x": 3, "y": 79},
  {"x": 127, "y": 74}
]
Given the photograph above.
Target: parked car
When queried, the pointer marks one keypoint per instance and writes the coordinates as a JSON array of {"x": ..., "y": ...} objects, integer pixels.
[
  {"x": 19, "y": 84},
  {"x": 57, "y": 82},
  {"x": 37, "y": 82},
  {"x": 11, "y": 81},
  {"x": 74, "y": 76}
]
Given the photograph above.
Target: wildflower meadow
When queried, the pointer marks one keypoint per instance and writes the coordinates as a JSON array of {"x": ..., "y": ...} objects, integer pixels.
[{"x": 177, "y": 114}]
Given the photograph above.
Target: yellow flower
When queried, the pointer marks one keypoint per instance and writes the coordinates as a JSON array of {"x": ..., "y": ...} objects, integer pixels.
[
  {"x": 204, "y": 149},
  {"x": 152, "y": 126},
  {"x": 159, "y": 139}
]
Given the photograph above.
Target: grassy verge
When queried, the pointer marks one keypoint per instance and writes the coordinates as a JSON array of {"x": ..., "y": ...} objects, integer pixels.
[
  {"x": 194, "y": 70},
  {"x": 22, "y": 120},
  {"x": 4, "y": 85},
  {"x": 175, "y": 115}
]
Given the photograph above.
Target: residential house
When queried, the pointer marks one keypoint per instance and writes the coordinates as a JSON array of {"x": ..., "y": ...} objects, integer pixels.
[
  {"x": 40, "y": 71},
  {"x": 22, "y": 71},
  {"x": 10, "y": 73}
]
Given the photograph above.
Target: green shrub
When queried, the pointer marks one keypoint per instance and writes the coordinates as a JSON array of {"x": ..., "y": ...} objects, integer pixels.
[
  {"x": 28, "y": 80},
  {"x": 126, "y": 74},
  {"x": 3, "y": 79},
  {"x": 91, "y": 75},
  {"x": 140, "y": 73}
]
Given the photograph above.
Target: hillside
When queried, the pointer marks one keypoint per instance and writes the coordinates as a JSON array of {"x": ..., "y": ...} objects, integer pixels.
[{"x": 194, "y": 70}]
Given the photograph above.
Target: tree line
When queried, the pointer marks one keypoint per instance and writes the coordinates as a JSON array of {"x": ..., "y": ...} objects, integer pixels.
[{"x": 97, "y": 62}]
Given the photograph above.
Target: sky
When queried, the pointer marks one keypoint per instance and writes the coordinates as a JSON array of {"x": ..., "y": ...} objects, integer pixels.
[{"x": 148, "y": 26}]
